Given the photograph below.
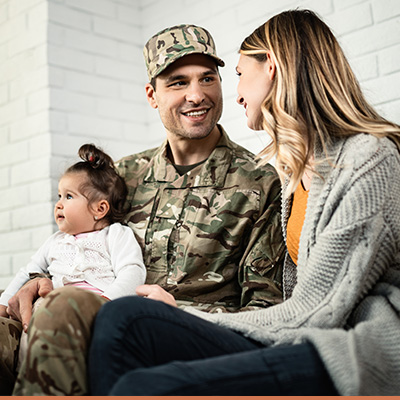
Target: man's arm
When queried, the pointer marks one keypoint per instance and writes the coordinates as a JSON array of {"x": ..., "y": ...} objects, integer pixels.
[
  {"x": 261, "y": 267},
  {"x": 20, "y": 305}
]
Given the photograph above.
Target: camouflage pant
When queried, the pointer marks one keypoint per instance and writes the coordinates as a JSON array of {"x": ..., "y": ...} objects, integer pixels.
[
  {"x": 59, "y": 336},
  {"x": 10, "y": 332}
]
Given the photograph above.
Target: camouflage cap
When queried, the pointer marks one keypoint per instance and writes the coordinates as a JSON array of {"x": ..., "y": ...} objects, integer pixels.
[{"x": 170, "y": 44}]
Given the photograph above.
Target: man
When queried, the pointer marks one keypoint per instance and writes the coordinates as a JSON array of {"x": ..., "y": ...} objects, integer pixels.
[{"x": 207, "y": 219}]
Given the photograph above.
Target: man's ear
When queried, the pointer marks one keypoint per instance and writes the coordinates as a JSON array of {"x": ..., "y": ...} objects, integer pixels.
[
  {"x": 101, "y": 209},
  {"x": 270, "y": 65},
  {"x": 151, "y": 95}
]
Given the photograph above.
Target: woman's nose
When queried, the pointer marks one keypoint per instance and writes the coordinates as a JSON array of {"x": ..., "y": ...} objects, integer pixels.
[{"x": 240, "y": 100}]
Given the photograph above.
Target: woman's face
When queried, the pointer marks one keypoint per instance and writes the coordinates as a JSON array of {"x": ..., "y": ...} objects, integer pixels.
[{"x": 255, "y": 80}]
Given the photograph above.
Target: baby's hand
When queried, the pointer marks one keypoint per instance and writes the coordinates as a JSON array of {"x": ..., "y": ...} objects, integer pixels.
[{"x": 3, "y": 311}]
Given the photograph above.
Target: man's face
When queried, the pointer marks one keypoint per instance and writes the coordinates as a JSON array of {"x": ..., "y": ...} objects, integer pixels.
[{"x": 188, "y": 96}]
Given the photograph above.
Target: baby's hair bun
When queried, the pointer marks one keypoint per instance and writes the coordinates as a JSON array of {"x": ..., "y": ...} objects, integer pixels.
[{"x": 95, "y": 156}]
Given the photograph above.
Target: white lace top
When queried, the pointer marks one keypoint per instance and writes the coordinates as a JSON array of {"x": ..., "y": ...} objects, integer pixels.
[{"x": 109, "y": 259}]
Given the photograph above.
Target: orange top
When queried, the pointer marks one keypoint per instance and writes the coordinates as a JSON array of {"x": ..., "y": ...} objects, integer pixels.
[{"x": 296, "y": 221}]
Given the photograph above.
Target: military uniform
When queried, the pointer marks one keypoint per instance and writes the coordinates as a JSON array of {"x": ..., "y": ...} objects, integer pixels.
[{"x": 211, "y": 237}]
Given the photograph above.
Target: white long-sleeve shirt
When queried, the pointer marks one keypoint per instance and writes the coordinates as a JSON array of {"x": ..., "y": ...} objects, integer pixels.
[{"x": 110, "y": 260}]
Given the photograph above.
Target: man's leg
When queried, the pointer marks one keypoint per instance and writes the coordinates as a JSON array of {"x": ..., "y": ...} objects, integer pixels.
[
  {"x": 10, "y": 332},
  {"x": 58, "y": 340},
  {"x": 134, "y": 332},
  {"x": 280, "y": 371}
]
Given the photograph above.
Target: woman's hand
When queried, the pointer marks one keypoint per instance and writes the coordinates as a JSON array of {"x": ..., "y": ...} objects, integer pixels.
[
  {"x": 20, "y": 305},
  {"x": 156, "y": 292}
]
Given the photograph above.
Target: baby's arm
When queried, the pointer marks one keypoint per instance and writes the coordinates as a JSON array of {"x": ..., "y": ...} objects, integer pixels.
[{"x": 127, "y": 262}]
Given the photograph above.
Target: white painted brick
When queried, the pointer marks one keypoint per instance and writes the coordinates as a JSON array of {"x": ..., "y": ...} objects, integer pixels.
[
  {"x": 322, "y": 8},
  {"x": 56, "y": 77},
  {"x": 117, "y": 30},
  {"x": 5, "y": 270},
  {"x": 13, "y": 153},
  {"x": 94, "y": 126},
  {"x": 391, "y": 111},
  {"x": 41, "y": 234},
  {"x": 4, "y": 137},
  {"x": 131, "y": 53},
  {"x": 57, "y": 121},
  {"x": 40, "y": 191},
  {"x": 4, "y": 180},
  {"x": 16, "y": 196},
  {"x": 18, "y": 7},
  {"x": 340, "y": 4},
  {"x": 15, "y": 241},
  {"x": 385, "y": 9},
  {"x": 3, "y": 13},
  {"x": 96, "y": 7},
  {"x": 32, "y": 215},
  {"x": 115, "y": 69},
  {"x": 374, "y": 38},
  {"x": 365, "y": 67},
  {"x": 40, "y": 146},
  {"x": 29, "y": 171},
  {"x": 56, "y": 34},
  {"x": 71, "y": 59},
  {"x": 21, "y": 260},
  {"x": 27, "y": 127},
  {"x": 91, "y": 43},
  {"x": 383, "y": 89},
  {"x": 62, "y": 100},
  {"x": 66, "y": 16},
  {"x": 37, "y": 15},
  {"x": 121, "y": 110},
  {"x": 129, "y": 14},
  {"x": 66, "y": 146},
  {"x": 13, "y": 111},
  {"x": 3, "y": 93},
  {"x": 38, "y": 101},
  {"x": 389, "y": 60},
  {"x": 91, "y": 84},
  {"x": 5, "y": 221},
  {"x": 344, "y": 21},
  {"x": 12, "y": 28},
  {"x": 30, "y": 40}
]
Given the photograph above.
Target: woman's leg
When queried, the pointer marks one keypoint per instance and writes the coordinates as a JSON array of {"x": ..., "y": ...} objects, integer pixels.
[
  {"x": 134, "y": 332},
  {"x": 289, "y": 371}
]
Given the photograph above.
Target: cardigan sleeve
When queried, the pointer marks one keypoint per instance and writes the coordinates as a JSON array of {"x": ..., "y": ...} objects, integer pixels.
[
  {"x": 351, "y": 237},
  {"x": 127, "y": 262}
]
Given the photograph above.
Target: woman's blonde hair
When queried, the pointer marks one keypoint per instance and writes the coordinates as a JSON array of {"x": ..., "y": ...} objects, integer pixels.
[{"x": 315, "y": 95}]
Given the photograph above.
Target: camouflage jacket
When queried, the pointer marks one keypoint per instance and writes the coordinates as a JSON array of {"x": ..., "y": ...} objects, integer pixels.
[{"x": 211, "y": 237}]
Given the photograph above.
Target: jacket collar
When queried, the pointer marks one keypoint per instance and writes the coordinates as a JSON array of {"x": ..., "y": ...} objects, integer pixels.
[{"x": 210, "y": 173}]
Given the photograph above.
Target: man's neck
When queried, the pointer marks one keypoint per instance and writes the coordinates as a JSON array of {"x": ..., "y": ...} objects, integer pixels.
[{"x": 183, "y": 151}]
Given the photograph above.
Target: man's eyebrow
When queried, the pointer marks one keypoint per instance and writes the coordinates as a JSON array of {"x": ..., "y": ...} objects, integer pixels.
[{"x": 178, "y": 77}]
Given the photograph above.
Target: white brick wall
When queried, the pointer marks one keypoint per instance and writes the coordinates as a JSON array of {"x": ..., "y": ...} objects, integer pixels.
[{"x": 71, "y": 71}]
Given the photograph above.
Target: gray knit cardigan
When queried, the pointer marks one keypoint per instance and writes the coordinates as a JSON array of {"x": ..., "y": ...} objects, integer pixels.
[{"x": 344, "y": 296}]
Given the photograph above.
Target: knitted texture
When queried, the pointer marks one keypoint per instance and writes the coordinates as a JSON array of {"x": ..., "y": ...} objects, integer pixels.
[{"x": 347, "y": 297}]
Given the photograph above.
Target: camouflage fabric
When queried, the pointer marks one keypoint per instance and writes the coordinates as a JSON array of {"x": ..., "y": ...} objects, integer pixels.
[
  {"x": 10, "y": 332},
  {"x": 168, "y": 45},
  {"x": 211, "y": 237},
  {"x": 56, "y": 360}
]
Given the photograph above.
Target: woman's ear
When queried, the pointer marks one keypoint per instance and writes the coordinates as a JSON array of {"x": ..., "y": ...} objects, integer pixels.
[
  {"x": 270, "y": 65},
  {"x": 100, "y": 210},
  {"x": 151, "y": 95}
]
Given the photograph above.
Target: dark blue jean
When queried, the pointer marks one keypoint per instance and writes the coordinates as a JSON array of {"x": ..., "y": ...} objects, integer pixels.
[{"x": 145, "y": 347}]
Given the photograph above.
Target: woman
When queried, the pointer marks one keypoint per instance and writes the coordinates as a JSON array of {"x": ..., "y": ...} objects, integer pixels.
[{"x": 337, "y": 332}]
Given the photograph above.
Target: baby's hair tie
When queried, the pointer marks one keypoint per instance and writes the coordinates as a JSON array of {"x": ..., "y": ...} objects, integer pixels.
[{"x": 91, "y": 159}]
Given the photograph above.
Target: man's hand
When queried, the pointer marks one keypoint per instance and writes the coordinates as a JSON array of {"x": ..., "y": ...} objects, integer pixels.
[
  {"x": 156, "y": 292},
  {"x": 20, "y": 305},
  {"x": 3, "y": 311}
]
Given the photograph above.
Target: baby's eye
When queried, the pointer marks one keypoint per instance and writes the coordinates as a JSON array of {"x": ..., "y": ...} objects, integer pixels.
[{"x": 68, "y": 197}]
